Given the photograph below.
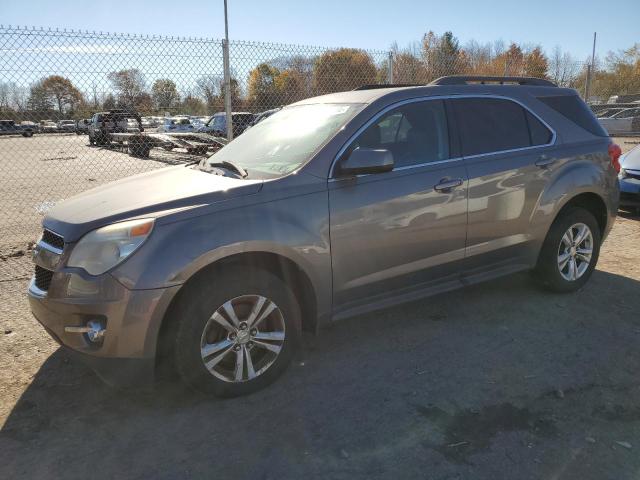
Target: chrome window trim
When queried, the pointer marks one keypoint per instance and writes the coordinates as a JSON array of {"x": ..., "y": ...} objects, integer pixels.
[{"x": 440, "y": 97}]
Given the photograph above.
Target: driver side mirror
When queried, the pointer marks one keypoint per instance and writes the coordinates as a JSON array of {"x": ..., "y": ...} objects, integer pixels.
[{"x": 367, "y": 160}]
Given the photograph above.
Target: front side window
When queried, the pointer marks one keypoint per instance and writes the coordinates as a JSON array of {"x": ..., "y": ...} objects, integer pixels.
[{"x": 414, "y": 133}]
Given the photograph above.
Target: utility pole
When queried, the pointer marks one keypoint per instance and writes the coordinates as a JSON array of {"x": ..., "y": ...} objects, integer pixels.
[{"x": 227, "y": 76}]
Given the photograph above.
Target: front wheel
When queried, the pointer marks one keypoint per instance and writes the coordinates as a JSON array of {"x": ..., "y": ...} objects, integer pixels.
[
  {"x": 237, "y": 333},
  {"x": 570, "y": 251}
]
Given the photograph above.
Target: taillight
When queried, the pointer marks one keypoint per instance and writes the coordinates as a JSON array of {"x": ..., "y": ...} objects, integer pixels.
[{"x": 614, "y": 154}]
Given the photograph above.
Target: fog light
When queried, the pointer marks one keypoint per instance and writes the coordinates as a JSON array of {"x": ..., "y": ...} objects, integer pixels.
[{"x": 94, "y": 330}]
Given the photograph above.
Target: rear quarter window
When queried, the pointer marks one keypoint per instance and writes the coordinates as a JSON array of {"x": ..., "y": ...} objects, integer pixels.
[
  {"x": 489, "y": 125},
  {"x": 574, "y": 109}
]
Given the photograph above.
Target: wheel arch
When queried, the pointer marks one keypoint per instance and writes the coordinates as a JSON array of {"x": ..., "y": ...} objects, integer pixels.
[{"x": 288, "y": 270}]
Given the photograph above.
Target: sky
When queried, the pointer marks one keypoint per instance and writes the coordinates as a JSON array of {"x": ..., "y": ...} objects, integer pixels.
[{"x": 350, "y": 23}]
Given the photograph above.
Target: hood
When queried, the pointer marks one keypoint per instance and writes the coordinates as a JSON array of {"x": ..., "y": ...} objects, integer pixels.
[
  {"x": 150, "y": 194},
  {"x": 631, "y": 159}
]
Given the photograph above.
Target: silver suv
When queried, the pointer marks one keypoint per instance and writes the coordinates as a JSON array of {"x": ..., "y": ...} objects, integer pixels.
[{"x": 333, "y": 206}]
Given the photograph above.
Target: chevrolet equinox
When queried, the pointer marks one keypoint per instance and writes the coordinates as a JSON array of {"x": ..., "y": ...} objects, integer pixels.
[{"x": 333, "y": 206}]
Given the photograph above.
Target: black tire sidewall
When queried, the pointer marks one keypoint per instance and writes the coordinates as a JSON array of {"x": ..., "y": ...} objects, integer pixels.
[
  {"x": 204, "y": 298},
  {"x": 547, "y": 271}
]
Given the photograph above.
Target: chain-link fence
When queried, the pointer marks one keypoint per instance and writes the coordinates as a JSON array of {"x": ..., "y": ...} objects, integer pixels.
[{"x": 163, "y": 93}]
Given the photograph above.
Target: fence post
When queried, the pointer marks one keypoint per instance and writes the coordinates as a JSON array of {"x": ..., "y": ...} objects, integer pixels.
[
  {"x": 227, "y": 76},
  {"x": 390, "y": 71},
  {"x": 587, "y": 85}
]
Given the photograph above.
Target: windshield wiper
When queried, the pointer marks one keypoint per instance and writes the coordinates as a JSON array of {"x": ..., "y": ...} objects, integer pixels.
[{"x": 229, "y": 166}]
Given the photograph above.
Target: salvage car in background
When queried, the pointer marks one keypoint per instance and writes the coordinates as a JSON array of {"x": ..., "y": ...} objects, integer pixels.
[
  {"x": 217, "y": 125},
  {"x": 629, "y": 179},
  {"x": 9, "y": 127},
  {"x": 176, "y": 125},
  {"x": 623, "y": 122},
  {"x": 67, "y": 126},
  {"x": 48, "y": 126}
]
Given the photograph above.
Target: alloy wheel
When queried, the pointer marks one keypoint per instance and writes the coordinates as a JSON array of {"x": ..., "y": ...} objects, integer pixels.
[
  {"x": 575, "y": 252},
  {"x": 242, "y": 338}
]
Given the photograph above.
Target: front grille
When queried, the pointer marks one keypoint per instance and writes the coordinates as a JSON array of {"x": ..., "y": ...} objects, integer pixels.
[
  {"x": 53, "y": 239},
  {"x": 43, "y": 278},
  {"x": 634, "y": 174}
]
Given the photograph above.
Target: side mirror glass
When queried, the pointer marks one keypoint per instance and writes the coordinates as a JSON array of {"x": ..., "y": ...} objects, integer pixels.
[{"x": 366, "y": 161}]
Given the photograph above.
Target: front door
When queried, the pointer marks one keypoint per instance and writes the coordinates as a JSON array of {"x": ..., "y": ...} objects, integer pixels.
[{"x": 399, "y": 231}]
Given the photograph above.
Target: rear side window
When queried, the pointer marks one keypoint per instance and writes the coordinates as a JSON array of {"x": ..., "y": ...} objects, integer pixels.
[
  {"x": 492, "y": 125},
  {"x": 573, "y": 108}
]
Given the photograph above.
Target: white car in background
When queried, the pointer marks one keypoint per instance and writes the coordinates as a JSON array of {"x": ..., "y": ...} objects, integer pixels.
[
  {"x": 623, "y": 122},
  {"x": 176, "y": 125}
]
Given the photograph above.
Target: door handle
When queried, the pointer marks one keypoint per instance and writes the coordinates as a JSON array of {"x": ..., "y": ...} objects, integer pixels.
[
  {"x": 447, "y": 185},
  {"x": 544, "y": 161}
]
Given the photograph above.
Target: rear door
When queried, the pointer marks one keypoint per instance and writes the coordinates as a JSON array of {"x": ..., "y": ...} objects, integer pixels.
[
  {"x": 509, "y": 155},
  {"x": 400, "y": 230}
]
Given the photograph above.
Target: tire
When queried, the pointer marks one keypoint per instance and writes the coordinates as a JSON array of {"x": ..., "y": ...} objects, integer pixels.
[
  {"x": 551, "y": 271},
  {"x": 241, "y": 289}
]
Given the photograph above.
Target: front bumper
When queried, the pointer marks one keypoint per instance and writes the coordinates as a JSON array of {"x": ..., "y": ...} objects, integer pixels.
[{"x": 132, "y": 319}]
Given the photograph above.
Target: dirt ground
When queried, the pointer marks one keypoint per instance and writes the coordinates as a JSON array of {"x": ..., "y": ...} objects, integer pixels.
[{"x": 500, "y": 380}]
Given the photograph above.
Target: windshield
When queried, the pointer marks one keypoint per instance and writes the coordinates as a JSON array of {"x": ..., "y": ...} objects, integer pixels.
[{"x": 287, "y": 139}]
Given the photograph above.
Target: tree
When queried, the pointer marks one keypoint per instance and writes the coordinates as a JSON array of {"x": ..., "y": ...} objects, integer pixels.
[
  {"x": 290, "y": 87},
  {"x": 39, "y": 100},
  {"x": 563, "y": 69},
  {"x": 511, "y": 62},
  {"x": 262, "y": 91},
  {"x": 129, "y": 84},
  {"x": 58, "y": 91},
  {"x": 165, "y": 94},
  {"x": 342, "y": 69},
  {"x": 442, "y": 55},
  {"x": 109, "y": 102},
  {"x": 193, "y": 105},
  {"x": 209, "y": 88},
  {"x": 536, "y": 63}
]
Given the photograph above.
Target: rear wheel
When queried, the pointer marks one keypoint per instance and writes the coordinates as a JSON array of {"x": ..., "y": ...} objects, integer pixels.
[
  {"x": 570, "y": 251},
  {"x": 237, "y": 332}
]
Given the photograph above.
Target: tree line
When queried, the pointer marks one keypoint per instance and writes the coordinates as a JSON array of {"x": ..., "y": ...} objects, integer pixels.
[{"x": 291, "y": 78}]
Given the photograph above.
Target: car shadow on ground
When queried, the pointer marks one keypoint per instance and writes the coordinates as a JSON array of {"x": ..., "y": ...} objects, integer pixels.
[{"x": 495, "y": 378}]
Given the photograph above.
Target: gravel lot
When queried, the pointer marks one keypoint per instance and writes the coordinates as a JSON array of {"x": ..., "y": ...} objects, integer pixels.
[{"x": 499, "y": 380}]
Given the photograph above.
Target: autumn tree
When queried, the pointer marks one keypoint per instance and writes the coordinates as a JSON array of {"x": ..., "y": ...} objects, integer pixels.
[
  {"x": 563, "y": 68},
  {"x": 54, "y": 91},
  {"x": 165, "y": 94},
  {"x": 342, "y": 69},
  {"x": 192, "y": 105},
  {"x": 129, "y": 85},
  {"x": 536, "y": 63}
]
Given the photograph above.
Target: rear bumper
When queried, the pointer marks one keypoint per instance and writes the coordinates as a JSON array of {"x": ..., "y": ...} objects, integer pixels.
[{"x": 131, "y": 318}]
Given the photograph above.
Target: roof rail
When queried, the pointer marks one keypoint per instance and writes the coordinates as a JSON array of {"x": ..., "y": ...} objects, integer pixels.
[
  {"x": 375, "y": 86},
  {"x": 465, "y": 79}
]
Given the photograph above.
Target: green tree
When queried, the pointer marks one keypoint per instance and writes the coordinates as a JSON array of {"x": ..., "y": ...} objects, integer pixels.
[
  {"x": 165, "y": 94},
  {"x": 342, "y": 69}
]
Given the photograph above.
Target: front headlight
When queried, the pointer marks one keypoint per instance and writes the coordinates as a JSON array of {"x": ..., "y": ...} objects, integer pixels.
[
  {"x": 623, "y": 173},
  {"x": 106, "y": 247}
]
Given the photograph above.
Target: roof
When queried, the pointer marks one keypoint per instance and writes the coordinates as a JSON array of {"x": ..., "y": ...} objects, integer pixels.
[{"x": 369, "y": 96}]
